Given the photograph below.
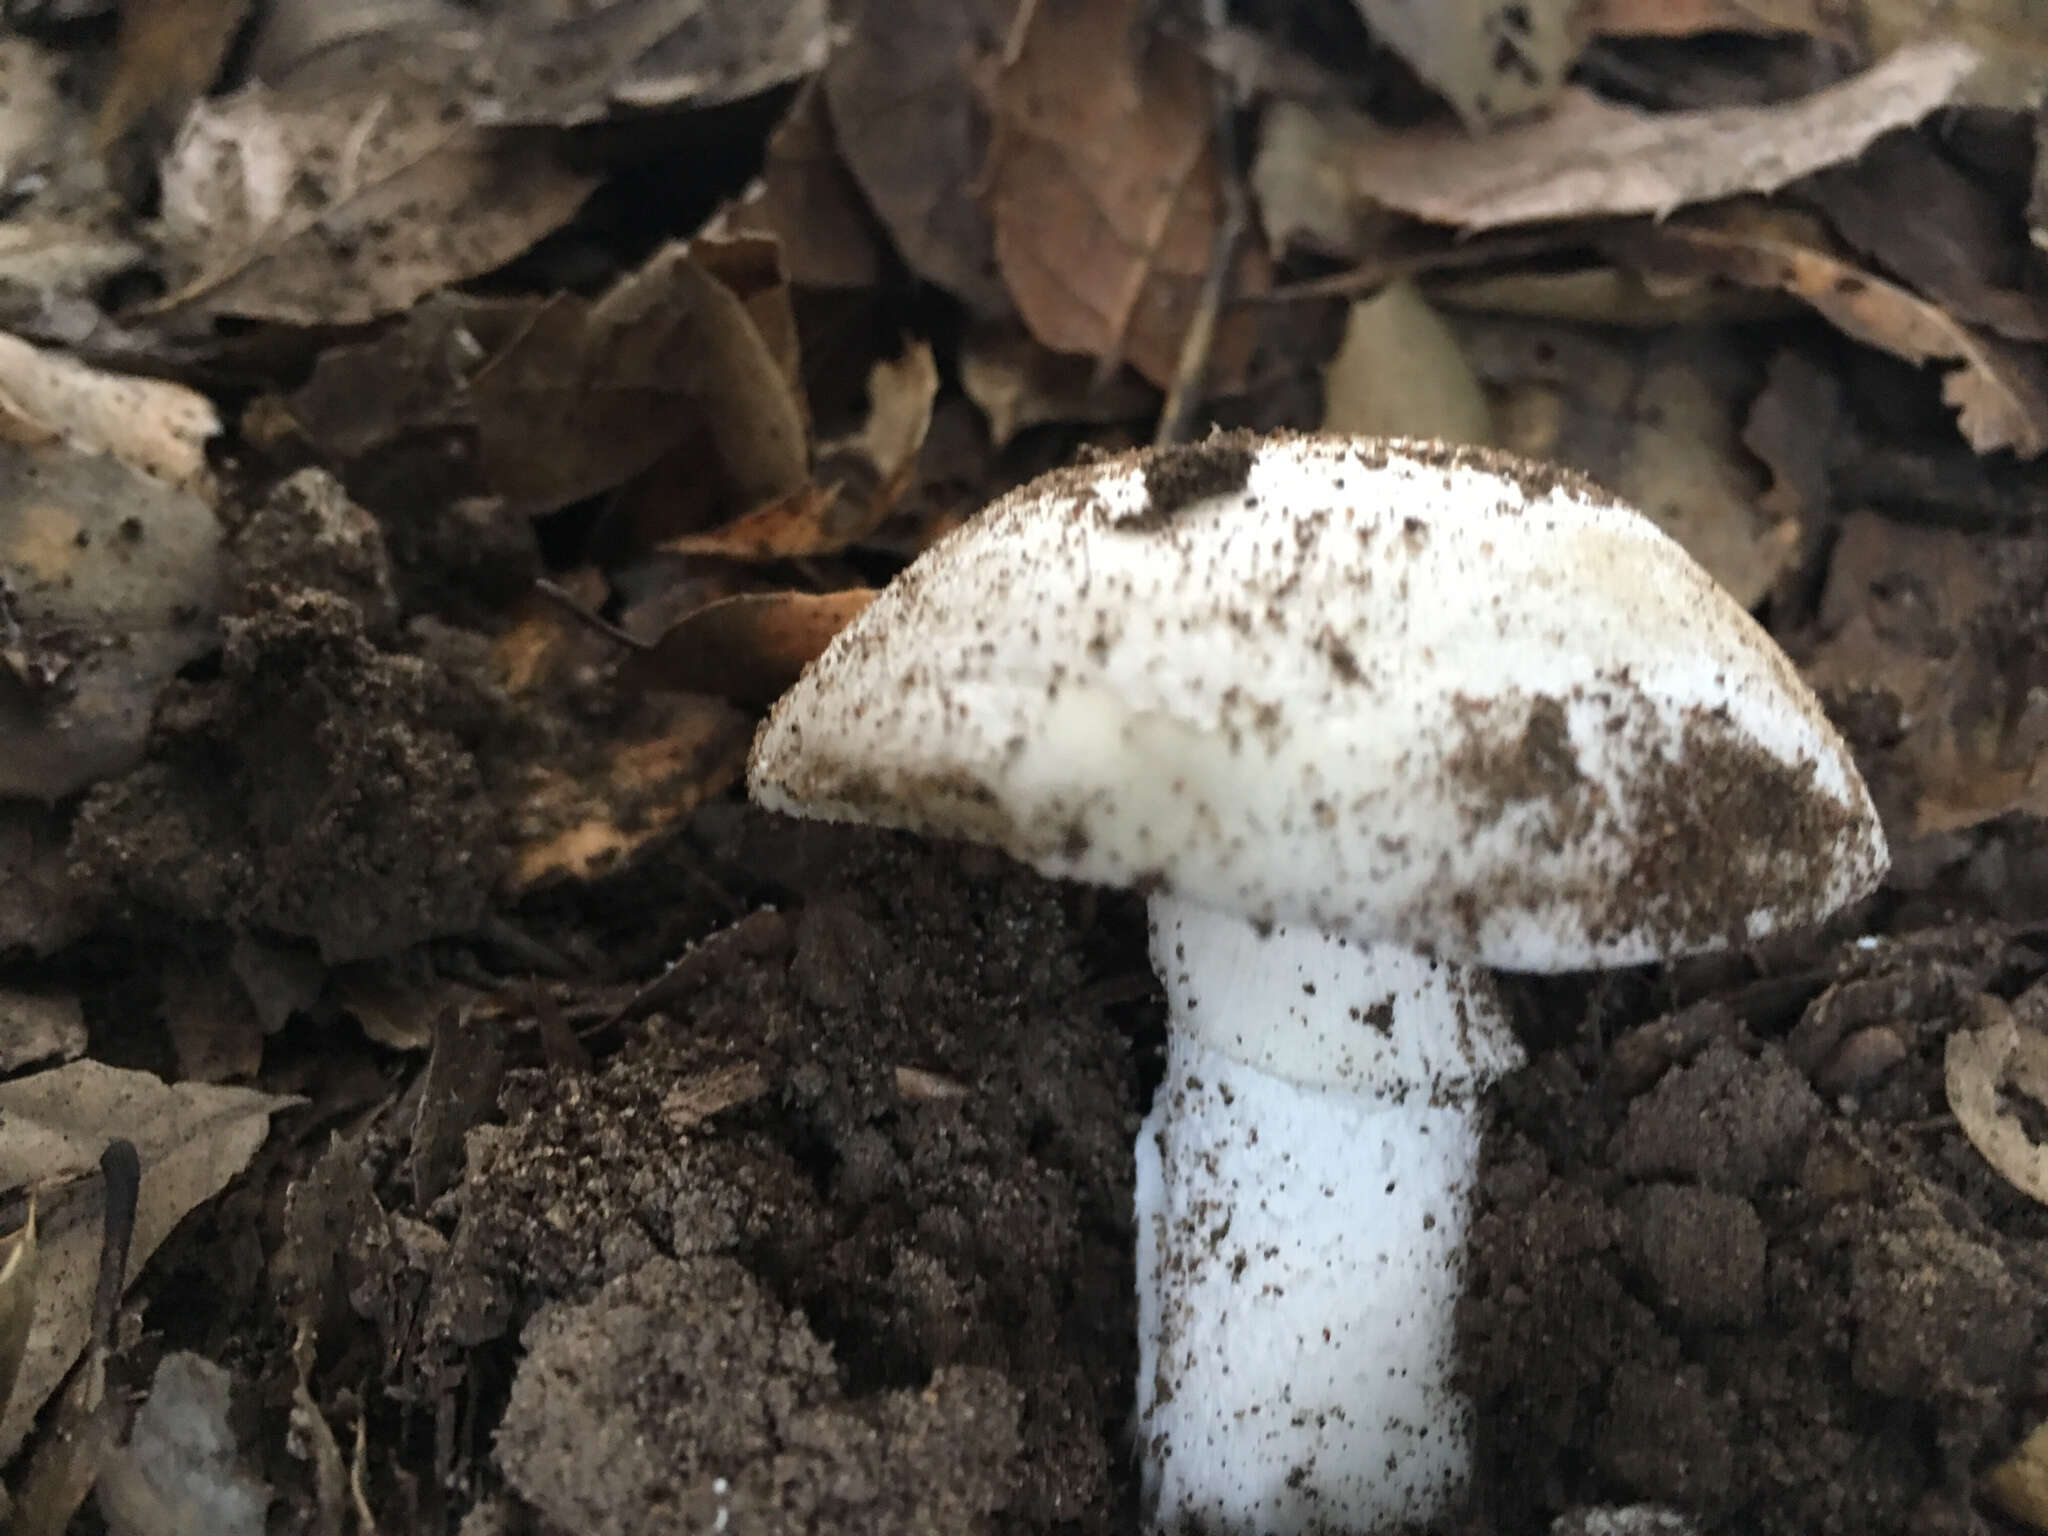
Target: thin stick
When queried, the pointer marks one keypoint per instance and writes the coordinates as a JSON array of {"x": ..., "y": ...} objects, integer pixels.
[{"x": 1176, "y": 417}]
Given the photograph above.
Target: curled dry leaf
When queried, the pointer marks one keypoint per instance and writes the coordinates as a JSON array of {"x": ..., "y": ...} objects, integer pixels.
[
  {"x": 1490, "y": 59},
  {"x": 856, "y": 480},
  {"x": 749, "y": 648},
  {"x": 157, "y": 428},
  {"x": 1979, "y": 1066},
  {"x": 2000, "y": 391},
  {"x": 350, "y": 192},
  {"x": 1586, "y": 158},
  {"x": 1104, "y": 190},
  {"x": 53, "y": 1125}
]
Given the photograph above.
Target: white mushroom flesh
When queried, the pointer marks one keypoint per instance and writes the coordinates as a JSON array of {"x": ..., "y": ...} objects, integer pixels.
[{"x": 1301, "y": 1227}]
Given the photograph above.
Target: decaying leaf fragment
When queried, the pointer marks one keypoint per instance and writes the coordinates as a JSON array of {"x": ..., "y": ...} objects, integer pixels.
[
  {"x": 1103, "y": 186},
  {"x": 1981, "y": 1063},
  {"x": 1586, "y": 158},
  {"x": 351, "y": 190},
  {"x": 1999, "y": 390},
  {"x": 1923, "y": 626},
  {"x": 585, "y": 814},
  {"x": 191, "y": 1139},
  {"x": 856, "y": 481},
  {"x": 751, "y": 647}
]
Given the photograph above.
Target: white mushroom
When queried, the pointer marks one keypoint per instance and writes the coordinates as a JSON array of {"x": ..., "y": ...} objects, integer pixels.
[{"x": 1359, "y": 716}]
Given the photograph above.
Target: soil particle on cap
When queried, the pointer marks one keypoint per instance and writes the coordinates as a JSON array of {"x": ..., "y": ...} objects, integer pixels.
[
  {"x": 1535, "y": 763},
  {"x": 1178, "y": 478},
  {"x": 931, "y": 1288}
]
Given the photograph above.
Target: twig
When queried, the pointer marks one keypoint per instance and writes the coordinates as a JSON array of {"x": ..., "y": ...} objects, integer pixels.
[{"x": 1176, "y": 417}]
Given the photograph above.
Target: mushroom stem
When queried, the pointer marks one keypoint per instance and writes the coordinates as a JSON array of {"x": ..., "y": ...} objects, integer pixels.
[{"x": 1303, "y": 1187}]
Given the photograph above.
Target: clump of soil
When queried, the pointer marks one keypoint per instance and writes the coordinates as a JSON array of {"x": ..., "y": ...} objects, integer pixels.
[
  {"x": 1696, "y": 1282},
  {"x": 843, "y": 1235},
  {"x": 326, "y": 785}
]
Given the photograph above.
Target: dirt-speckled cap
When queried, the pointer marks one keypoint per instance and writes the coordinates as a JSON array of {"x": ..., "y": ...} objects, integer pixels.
[{"x": 1398, "y": 691}]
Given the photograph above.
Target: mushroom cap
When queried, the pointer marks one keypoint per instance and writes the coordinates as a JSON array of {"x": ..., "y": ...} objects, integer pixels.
[{"x": 1401, "y": 692}]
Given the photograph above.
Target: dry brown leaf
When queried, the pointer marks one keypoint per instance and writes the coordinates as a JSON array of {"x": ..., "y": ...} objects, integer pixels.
[
  {"x": 166, "y": 55},
  {"x": 855, "y": 483},
  {"x": 915, "y": 132},
  {"x": 1016, "y": 383},
  {"x": 1919, "y": 625},
  {"x": 569, "y": 397},
  {"x": 808, "y": 202},
  {"x": 568, "y": 61},
  {"x": 590, "y": 394},
  {"x": 350, "y": 192},
  {"x": 1687, "y": 18},
  {"x": 1655, "y": 418},
  {"x": 1103, "y": 187},
  {"x": 1586, "y": 158},
  {"x": 1978, "y": 1066},
  {"x": 1401, "y": 373},
  {"x": 1920, "y": 218},
  {"x": 155, "y": 427},
  {"x": 1490, "y": 59},
  {"x": 109, "y": 583},
  {"x": 749, "y": 648},
  {"x": 2000, "y": 391},
  {"x": 581, "y": 824},
  {"x": 53, "y": 1126}
]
